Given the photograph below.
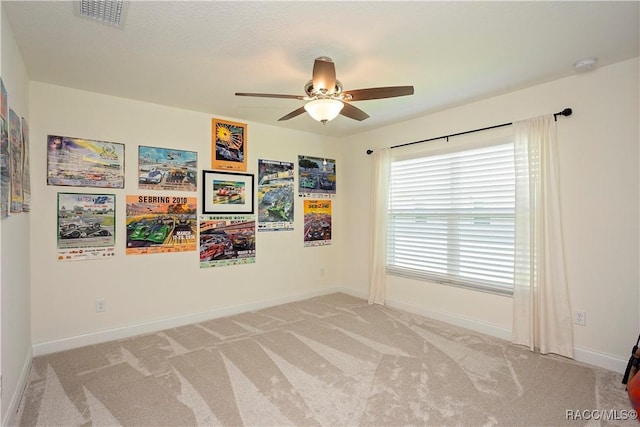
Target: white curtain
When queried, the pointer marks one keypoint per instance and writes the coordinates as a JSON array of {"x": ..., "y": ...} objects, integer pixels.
[
  {"x": 542, "y": 314},
  {"x": 378, "y": 226}
]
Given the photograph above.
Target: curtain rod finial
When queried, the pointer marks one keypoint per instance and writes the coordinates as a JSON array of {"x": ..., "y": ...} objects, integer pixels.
[{"x": 566, "y": 112}]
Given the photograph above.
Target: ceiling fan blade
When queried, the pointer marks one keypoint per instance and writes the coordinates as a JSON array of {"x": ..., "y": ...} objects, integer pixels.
[
  {"x": 324, "y": 75},
  {"x": 353, "y": 112},
  {"x": 378, "y": 92},
  {"x": 270, "y": 95},
  {"x": 292, "y": 114}
]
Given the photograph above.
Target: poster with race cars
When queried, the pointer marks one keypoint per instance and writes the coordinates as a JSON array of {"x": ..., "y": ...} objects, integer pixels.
[
  {"x": 86, "y": 226},
  {"x": 275, "y": 195},
  {"x": 161, "y": 224},
  {"x": 227, "y": 240},
  {"x": 84, "y": 162},
  {"x": 317, "y": 222},
  {"x": 228, "y": 145},
  {"x": 167, "y": 169},
  {"x": 26, "y": 168},
  {"x": 4, "y": 103},
  {"x": 317, "y": 177},
  {"x": 5, "y": 176},
  {"x": 16, "y": 153}
]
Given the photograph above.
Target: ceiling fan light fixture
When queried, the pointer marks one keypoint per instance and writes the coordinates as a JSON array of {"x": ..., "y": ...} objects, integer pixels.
[{"x": 324, "y": 110}]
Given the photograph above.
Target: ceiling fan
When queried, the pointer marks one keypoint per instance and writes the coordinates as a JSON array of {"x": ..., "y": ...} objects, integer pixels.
[{"x": 326, "y": 98}]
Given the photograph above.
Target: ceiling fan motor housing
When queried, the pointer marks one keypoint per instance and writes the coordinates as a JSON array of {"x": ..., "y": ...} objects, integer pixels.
[{"x": 313, "y": 93}]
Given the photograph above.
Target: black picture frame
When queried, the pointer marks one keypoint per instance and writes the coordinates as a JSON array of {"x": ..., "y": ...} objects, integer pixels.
[{"x": 227, "y": 192}]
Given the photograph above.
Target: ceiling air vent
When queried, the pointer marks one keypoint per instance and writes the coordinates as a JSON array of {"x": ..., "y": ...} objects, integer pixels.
[{"x": 105, "y": 11}]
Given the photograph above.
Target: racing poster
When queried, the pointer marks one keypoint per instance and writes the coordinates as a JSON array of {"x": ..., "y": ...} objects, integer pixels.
[
  {"x": 228, "y": 145},
  {"x": 26, "y": 172},
  {"x": 4, "y": 103},
  {"x": 16, "y": 152},
  {"x": 84, "y": 162},
  {"x": 161, "y": 224},
  {"x": 317, "y": 222},
  {"x": 5, "y": 176},
  {"x": 167, "y": 169},
  {"x": 317, "y": 177},
  {"x": 275, "y": 195},
  {"x": 86, "y": 226},
  {"x": 227, "y": 240}
]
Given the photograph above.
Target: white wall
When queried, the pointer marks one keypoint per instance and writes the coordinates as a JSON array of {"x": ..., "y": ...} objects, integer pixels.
[
  {"x": 598, "y": 150},
  {"x": 139, "y": 289},
  {"x": 15, "y": 348}
]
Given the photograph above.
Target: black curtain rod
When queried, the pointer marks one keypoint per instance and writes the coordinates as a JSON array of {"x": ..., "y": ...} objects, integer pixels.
[{"x": 565, "y": 112}]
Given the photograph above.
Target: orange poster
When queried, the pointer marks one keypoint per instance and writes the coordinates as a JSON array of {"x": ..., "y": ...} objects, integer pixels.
[{"x": 228, "y": 145}]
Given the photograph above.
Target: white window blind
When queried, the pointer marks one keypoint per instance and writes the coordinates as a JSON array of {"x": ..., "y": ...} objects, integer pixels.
[{"x": 451, "y": 218}]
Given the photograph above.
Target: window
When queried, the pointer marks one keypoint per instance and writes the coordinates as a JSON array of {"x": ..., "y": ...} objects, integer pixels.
[{"x": 451, "y": 218}]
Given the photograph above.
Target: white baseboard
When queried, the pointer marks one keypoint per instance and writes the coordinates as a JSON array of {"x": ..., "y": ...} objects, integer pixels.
[
  {"x": 602, "y": 360},
  {"x": 454, "y": 319},
  {"x": 106, "y": 335},
  {"x": 583, "y": 355},
  {"x": 18, "y": 392}
]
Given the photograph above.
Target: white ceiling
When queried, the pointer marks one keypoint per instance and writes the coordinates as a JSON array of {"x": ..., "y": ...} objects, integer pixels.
[{"x": 195, "y": 55}]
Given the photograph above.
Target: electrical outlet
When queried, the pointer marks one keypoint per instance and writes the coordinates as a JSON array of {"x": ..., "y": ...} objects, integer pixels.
[
  {"x": 101, "y": 305},
  {"x": 580, "y": 317}
]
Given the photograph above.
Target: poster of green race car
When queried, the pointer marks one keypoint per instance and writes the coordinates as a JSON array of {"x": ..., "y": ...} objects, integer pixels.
[
  {"x": 86, "y": 226},
  {"x": 317, "y": 177},
  {"x": 275, "y": 195},
  {"x": 160, "y": 224}
]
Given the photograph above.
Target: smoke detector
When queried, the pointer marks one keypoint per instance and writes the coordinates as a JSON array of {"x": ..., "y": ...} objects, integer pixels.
[{"x": 587, "y": 64}]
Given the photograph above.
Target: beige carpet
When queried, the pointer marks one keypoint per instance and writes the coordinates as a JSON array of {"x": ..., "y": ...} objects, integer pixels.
[{"x": 328, "y": 361}]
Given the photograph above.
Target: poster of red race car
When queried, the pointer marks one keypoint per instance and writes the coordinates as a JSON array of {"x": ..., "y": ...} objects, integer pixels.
[{"x": 227, "y": 240}]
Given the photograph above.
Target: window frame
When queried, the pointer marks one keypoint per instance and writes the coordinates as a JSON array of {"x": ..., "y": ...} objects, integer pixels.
[{"x": 486, "y": 139}]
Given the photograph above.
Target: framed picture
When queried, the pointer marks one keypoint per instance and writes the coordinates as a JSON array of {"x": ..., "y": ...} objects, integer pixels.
[
  {"x": 228, "y": 145},
  {"x": 227, "y": 192}
]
